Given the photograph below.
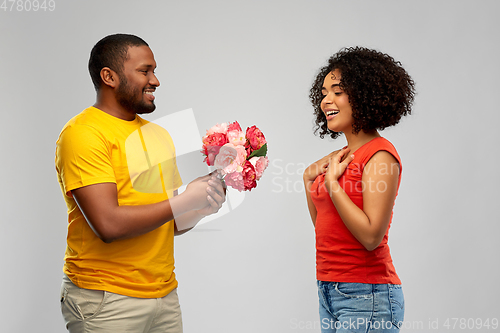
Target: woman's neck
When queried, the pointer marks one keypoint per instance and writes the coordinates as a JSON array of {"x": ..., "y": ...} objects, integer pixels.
[{"x": 355, "y": 141}]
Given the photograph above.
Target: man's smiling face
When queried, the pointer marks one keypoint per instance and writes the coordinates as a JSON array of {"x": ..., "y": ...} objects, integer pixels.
[{"x": 138, "y": 81}]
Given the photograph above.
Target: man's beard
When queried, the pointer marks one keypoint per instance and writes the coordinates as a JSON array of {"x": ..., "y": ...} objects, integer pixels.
[{"x": 127, "y": 97}]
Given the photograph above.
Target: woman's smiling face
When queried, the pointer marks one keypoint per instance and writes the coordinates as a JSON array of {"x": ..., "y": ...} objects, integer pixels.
[{"x": 335, "y": 104}]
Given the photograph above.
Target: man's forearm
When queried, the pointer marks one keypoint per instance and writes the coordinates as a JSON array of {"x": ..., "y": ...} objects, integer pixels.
[
  {"x": 187, "y": 221},
  {"x": 112, "y": 222}
]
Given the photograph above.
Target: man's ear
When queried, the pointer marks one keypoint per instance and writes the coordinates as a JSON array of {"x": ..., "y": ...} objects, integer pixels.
[{"x": 109, "y": 77}]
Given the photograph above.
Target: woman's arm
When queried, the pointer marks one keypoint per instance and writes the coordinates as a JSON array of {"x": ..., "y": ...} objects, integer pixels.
[
  {"x": 380, "y": 182},
  {"x": 310, "y": 205}
]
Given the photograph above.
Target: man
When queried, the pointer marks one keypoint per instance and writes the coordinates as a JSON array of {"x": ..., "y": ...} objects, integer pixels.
[{"x": 119, "y": 179}]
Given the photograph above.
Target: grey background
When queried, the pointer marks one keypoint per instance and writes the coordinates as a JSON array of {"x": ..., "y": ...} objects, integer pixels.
[{"x": 253, "y": 270}]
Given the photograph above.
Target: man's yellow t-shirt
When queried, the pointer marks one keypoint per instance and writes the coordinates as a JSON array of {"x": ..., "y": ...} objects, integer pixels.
[{"x": 139, "y": 157}]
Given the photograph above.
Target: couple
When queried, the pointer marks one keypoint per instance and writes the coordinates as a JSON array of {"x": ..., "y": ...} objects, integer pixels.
[{"x": 119, "y": 179}]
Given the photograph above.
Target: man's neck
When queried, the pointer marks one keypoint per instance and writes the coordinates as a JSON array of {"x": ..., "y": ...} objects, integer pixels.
[{"x": 114, "y": 109}]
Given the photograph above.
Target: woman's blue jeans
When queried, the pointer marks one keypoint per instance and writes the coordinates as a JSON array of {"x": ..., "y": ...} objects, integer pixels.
[{"x": 360, "y": 307}]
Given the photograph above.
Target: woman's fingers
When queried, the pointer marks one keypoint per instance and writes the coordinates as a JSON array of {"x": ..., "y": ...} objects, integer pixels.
[
  {"x": 348, "y": 159},
  {"x": 339, "y": 163},
  {"x": 342, "y": 153}
]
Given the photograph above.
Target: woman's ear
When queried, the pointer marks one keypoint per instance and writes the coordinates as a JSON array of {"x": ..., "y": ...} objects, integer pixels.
[{"x": 109, "y": 77}]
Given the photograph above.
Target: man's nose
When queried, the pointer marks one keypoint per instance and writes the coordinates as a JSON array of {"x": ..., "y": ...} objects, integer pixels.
[{"x": 154, "y": 81}]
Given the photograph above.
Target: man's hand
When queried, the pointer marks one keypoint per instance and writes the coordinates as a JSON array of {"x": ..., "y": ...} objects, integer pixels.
[
  {"x": 216, "y": 197},
  {"x": 213, "y": 191},
  {"x": 197, "y": 192}
]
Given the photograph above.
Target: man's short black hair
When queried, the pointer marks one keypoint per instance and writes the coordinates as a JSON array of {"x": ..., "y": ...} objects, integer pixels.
[{"x": 111, "y": 51}]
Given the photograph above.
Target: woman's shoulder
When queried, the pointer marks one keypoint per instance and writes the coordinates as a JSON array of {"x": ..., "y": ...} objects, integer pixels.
[
  {"x": 376, "y": 145},
  {"x": 379, "y": 143}
]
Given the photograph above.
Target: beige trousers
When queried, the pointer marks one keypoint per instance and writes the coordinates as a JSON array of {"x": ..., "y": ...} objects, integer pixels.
[{"x": 97, "y": 311}]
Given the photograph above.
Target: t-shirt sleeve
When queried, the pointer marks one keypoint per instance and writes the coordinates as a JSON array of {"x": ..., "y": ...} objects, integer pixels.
[
  {"x": 83, "y": 158},
  {"x": 151, "y": 160},
  {"x": 177, "y": 178}
]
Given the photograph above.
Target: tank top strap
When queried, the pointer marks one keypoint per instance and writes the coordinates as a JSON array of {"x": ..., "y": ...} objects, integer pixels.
[{"x": 366, "y": 152}]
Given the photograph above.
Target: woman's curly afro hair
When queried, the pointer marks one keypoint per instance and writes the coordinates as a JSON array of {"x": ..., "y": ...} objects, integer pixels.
[{"x": 379, "y": 89}]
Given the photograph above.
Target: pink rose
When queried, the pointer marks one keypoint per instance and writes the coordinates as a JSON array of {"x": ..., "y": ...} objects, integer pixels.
[
  {"x": 235, "y": 180},
  {"x": 255, "y": 139},
  {"x": 260, "y": 164},
  {"x": 215, "y": 139},
  {"x": 237, "y": 162},
  {"x": 234, "y": 127},
  {"x": 236, "y": 137},
  {"x": 219, "y": 128},
  {"x": 211, "y": 146},
  {"x": 249, "y": 177},
  {"x": 210, "y": 154},
  {"x": 226, "y": 158}
]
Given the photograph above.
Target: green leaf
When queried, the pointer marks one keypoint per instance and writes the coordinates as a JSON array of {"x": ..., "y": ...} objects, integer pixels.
[{"x": 262, "y": 151}]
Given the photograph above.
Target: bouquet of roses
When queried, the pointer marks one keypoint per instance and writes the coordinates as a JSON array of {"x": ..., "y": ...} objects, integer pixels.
[{"x": 239, "y": 157}]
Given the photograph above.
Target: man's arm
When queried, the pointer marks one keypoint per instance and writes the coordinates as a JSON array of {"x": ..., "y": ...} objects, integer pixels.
[{"x": 111, "y": 222}]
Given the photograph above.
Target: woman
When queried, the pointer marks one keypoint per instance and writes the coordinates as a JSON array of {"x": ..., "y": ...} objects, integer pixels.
[{"x": 351, "y": 191}]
